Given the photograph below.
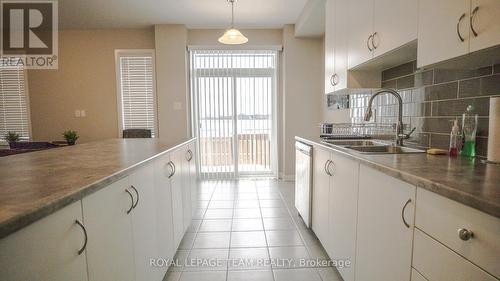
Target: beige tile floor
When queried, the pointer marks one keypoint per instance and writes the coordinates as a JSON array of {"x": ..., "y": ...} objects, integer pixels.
[{"x": 248, "y": 230}]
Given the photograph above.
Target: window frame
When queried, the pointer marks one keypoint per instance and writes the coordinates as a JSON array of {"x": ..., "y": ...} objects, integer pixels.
[
  {"x": 119, "y": 53},
  {"x": 3, "y": 142}
]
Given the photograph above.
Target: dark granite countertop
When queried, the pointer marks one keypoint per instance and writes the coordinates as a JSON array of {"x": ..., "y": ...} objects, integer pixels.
[
  {"x": 34, "y": 185},
  {"x": 467, "y": 181}
]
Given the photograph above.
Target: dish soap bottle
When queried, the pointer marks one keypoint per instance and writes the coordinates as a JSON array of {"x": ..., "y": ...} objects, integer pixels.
[
  {"x": 454, "y": 139},
  {"x": 469, "y": 128}
]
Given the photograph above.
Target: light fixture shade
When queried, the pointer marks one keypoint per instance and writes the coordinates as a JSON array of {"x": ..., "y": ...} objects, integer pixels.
[{"x": 233, "y": 36}]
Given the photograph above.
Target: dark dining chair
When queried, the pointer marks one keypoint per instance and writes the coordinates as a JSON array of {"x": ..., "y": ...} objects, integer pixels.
[{"x": 136, "y": 133}]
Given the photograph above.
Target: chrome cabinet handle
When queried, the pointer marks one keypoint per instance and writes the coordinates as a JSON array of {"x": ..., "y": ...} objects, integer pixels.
[
  {"x": 190, "y": 157},
  {"x": 458, "y": 27},
  {"x": 465, "y": 234},
  {"x": 335, "y": 79},
  {"x": 403, "y": 213},
  {"x": 473, "y": 15},
  {"x": 132, "y": 201},
  {"x": 137, "y": 193},
  {"x": 172, "y": 165},
  {"x": 373, "y": 41},
  {"x": 332, "y": 80},
  {"x": 327, "y": 163},
  {"x": 85, "y": 235},
  {"x": 328, "y": 167},
  {"x": 370, "y": 38}
]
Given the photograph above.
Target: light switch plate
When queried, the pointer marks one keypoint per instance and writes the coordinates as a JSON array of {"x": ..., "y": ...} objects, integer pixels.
[
  {"x": 83, "y": 113},
  {"x": 77, "y": 113},
  {"x": 177, "y": 106}
]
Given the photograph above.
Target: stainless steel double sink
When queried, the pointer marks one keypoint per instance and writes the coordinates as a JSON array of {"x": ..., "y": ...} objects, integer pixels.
[{"x": 373, "y": 147}]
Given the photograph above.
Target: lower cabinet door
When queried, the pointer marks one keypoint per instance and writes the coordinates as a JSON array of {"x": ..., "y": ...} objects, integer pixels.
[
  {"x": 163, "y": 202},
  {"x": 321, "y": 188},
  {"x": 343, "y": 209},
  {"x": 47, "y": 249},
  {"x": 144, "y": 224},
  {"x": 110, "y": 249},
  {"x": 186, "y": 188},
  {"x": 176, "y": 181},
  {"x": 386, "y": 208},
  {"x": 193, "y": 178}
]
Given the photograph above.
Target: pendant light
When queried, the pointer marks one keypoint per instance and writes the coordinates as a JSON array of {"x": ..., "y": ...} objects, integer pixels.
[{"x": 233, "y": 36}]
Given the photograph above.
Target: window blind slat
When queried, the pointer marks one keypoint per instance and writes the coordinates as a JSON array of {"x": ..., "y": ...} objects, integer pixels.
[
  {"x": 14, "y": 114},
  {"x": 137, "y": 92}
]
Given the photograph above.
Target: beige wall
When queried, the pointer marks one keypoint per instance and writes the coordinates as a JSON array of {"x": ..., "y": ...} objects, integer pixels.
[
  {"x": 302, "y": 93},
  {"x": 86, "y": 79},
  {"x": 171, "y": 82}
]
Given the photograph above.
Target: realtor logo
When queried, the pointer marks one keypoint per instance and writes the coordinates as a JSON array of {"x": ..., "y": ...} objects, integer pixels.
[{"x": 29, "y": 34}]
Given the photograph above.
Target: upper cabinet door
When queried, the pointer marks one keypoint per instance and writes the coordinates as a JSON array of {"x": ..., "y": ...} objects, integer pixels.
[
  {"x": 110, "y": 249},
  {"x": 46, "y": 249},
  {"x": 360, "y": 32},
  {"x": 395, "y": 24},
  {"x": 443, "y": 30},
  {"x": 386, "y": 208},
  {"x": 484, "y": 24},
  {"x": 341, "y": 32},
  {"x": 329, "y": 47}
]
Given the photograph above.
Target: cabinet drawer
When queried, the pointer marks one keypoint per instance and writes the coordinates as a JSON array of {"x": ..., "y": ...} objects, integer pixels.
[
  {"x": 441, "y": 218},
  {"x": 438, "y": 263}
]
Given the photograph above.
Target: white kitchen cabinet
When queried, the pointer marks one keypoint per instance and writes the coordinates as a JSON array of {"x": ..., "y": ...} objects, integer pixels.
[
  {"x": 164, "y": 217},
  {"x": 186, "y": 187},
  {"x": 329, "y": 46},
  {"x": 193, "y": 177},
  {"x": 360, "y": 31},
  {"x": 47, "y": 249},
  {"x": 441, "y": 23},
  {"x": 437, "y": 262},
  {"x": 486, "y": 24},
  {"x": 394, "y": 24},
  {"x": 110, "y": 249},
  {"x": 176, "y": 182},
  {"x": 340, "y": 33},
  {"x": 343, "y": 209},
  {"x": 144, "y": 223},
  {"x": 321, "y": 189},
  {"x": 384, "y": 228}
]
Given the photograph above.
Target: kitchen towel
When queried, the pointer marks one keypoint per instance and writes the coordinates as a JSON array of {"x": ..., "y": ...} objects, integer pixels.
[{"x": 494, "y": 131}]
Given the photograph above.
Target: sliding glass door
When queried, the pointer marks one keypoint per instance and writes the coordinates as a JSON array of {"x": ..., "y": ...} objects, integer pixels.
[{"x": 233, "y": 104}]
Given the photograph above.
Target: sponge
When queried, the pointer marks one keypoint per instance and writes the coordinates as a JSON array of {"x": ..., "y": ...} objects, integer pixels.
[{"x": 437, "y": 151}]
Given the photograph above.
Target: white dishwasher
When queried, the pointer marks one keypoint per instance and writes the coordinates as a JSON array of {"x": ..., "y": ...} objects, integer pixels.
[{"x": 303, "y": 180}]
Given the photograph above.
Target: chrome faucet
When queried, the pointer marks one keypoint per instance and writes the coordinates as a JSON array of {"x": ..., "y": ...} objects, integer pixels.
[{"x": 400, "y": 136}]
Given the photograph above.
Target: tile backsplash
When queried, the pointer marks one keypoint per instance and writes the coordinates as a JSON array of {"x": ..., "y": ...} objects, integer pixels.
[{"x": 432, "y": 99}]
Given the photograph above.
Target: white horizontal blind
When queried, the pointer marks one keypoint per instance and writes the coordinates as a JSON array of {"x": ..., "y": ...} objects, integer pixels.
[
  {"x": 14, "y": 107},
  {"x": 233, "y": 111},
  {"x": 137, "y": 91}
]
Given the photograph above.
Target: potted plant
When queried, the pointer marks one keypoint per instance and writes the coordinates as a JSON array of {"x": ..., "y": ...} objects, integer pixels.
[
  {"x": 70, "y": 136},
  {"x": 11, "y": 138}
]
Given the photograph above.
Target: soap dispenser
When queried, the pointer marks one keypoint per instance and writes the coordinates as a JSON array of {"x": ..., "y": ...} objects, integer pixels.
[
  {"x": 454, "y": 135},
  {"x": 469, "y": 129}
]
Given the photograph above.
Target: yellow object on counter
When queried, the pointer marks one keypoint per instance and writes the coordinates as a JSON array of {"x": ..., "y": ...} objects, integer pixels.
[{"x": 437, "y": 151}]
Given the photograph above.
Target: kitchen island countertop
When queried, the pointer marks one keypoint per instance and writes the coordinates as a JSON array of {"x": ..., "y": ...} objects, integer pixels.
[{"x": 34, "y": 185}]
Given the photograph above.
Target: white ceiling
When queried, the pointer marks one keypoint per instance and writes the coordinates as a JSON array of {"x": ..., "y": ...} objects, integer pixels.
[{"x": 81, "y": 14}]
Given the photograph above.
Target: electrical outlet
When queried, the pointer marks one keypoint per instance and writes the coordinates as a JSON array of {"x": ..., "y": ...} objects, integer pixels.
[{"x": 77, "y": 113}]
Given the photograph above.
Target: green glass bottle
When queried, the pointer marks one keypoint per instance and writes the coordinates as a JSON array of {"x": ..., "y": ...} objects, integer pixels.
[{"x": 469, "y": 129}]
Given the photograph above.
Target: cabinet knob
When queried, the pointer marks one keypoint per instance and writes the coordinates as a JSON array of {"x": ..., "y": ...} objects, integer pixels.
[{"x": 465, "y": 234}]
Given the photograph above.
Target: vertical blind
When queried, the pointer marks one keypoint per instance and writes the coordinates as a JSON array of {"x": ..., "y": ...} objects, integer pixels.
[
  {"x": 137, "y": 92},
  {"x": 233, "y": 93},
  {"x": 14, "y": 107}
]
